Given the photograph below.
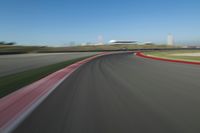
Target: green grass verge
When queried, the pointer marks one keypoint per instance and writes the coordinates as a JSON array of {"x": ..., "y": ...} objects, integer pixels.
[
  {"x": 13, "y": 82},
  {"x": 169, "y": 54}
]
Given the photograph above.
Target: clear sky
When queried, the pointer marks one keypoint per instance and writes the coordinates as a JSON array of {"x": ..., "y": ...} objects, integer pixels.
[{"x": 64, "y": 21}]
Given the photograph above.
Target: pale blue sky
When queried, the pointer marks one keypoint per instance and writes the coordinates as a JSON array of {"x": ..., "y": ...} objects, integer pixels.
[{"x": 64, "y": 21}]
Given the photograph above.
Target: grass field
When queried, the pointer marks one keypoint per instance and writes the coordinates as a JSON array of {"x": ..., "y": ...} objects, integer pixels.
[
  {"x": 14, "y": 82},
  {"x": 16, "y": 49},
  {"x": 172, "y": 54}
]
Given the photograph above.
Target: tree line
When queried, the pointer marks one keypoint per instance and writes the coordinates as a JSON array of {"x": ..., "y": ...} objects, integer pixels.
[{"x": 7, "y": 43}]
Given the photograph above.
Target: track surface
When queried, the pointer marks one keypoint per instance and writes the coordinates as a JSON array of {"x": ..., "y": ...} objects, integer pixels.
[
  {"x": 122, "y": 94},
  {"x": 10, "y": 64}
]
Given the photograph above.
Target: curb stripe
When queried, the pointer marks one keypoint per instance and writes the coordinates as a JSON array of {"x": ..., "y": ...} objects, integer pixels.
[
  {"x": 140, "y": 54},
  {"x": 15, "y": 107}
]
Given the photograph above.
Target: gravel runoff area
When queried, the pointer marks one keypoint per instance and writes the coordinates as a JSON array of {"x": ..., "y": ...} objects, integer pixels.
[
  {"x": 10, "y": 64},
  {"x": 187, "y": 54}
]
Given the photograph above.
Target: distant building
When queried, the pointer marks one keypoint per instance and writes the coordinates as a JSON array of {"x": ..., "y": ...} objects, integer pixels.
[
  {"x": 100, "y": 40},
  {"x": 170, "y": 40},
  {"x": 121, "y": 42},
  {"x": 148, "y": 43}
]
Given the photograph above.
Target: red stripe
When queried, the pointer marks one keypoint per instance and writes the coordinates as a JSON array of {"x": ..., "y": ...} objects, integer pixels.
[
  {"x": 15, "y": 104},
  {"x": 140, "y": 54}
]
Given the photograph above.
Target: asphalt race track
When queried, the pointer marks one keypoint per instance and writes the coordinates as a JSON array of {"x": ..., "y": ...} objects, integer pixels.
[
  {"x": 10, "y": 64},
  {"x": 122, "y": 93}
]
